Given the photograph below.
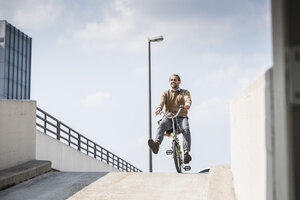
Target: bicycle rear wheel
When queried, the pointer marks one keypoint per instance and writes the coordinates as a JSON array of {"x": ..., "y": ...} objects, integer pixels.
[{"x": 176, "y": 157}]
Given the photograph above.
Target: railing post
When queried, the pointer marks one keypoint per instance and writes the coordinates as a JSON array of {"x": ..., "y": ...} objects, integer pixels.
[
  {"x": 69, "y": 140},
  {"x": 45, "y": 123},
  {"x": 118, "y": 163},
  {"x": 95, "y": 150},
  {"x": 107, "y": 156},
  {"x": 87, "y": 146},
  {"x": 113, "y": 159},
  {"x": 79, "y": 142},
  {"x": 58, "y": 130}
]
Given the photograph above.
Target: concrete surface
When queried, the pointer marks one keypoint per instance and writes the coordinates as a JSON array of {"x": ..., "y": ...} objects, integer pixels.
[
  {"x": 25, "y": 171},
  {"x": 17, "y": 132},
  {"x": 65, "y": 158},
  {"x": 121, "y": 185},
  {"x": 220, "y": 183},
  {"x": 51, "y": 186},
  {"x": 146, "y": 186},
  {"x": 252, "y": 140},
  {"x": 284, "y": 18}
]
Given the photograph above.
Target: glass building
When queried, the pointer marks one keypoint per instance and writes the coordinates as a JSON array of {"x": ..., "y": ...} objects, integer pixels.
[{"x": 15, "y": 62}]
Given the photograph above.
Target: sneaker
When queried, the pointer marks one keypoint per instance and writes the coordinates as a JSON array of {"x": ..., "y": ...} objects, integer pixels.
[
  {"x": 154, "y": 146},
  {"x": 187, "y": 158}
]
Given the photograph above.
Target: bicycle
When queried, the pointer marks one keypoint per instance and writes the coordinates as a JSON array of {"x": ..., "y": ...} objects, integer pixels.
[{"x": 176, "y": 149}]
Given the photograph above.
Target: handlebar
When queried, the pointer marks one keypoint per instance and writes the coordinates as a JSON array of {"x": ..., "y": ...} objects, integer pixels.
[{"x": 173, "y": 116}]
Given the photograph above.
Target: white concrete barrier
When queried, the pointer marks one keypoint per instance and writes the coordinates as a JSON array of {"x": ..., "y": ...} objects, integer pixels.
[
  {"x": 17, "y": 132},
  {"x": 252, "y": 141},
  {"x": 21, "y": 142},
  {"x": 66, "y": 158}
]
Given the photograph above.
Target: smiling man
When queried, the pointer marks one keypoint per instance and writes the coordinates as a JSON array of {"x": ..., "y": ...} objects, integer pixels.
[{"x": 172, "y": 99}]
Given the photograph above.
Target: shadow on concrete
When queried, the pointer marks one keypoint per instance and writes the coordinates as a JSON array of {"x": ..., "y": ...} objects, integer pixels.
[{"x": 52, "y": 185}]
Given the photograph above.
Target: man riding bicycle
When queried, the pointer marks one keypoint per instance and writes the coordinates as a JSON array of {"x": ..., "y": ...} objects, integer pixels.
[{"x": 172, "y": 99}]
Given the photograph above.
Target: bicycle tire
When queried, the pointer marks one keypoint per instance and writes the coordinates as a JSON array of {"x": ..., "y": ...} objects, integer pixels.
[{"x": 176, "y": 157}]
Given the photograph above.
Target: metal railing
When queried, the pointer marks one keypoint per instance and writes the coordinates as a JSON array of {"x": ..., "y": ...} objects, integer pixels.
[{"x": 55, "y": 128}]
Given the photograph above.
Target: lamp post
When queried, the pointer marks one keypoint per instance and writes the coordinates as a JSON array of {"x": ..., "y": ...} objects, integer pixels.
[{"x": 151, "y": 39}]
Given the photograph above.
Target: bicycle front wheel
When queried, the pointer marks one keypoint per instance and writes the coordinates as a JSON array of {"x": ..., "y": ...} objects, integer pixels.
[{"x": 176, "y": 157}]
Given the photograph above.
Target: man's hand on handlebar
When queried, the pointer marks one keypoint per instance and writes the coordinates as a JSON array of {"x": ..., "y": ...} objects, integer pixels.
[
  {"x": 186, "y": 107},
  {"x": 157, "y": 112}
]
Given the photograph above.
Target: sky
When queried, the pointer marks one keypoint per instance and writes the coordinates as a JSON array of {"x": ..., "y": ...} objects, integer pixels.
[{"x": 90, "y": 67}]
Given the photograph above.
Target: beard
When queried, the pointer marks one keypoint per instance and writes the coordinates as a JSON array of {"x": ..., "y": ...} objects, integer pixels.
[{"x": 174, "y": 86}]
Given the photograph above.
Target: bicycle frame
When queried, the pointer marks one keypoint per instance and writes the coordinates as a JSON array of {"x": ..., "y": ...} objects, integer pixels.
[
  {"x": 177, "y": 154},
  {"x": 173, "y": 117}
]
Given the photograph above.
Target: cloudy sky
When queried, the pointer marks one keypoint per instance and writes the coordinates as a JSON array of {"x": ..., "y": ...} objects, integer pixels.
[{"x": 90, "y": 61}]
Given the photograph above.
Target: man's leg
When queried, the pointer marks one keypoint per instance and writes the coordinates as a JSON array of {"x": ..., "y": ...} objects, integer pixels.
[
  {"x": 185, "y": 129},
  {"x": 165, "y": 124}
]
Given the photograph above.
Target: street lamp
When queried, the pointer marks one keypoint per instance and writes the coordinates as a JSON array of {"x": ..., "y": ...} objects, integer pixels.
[{"x": 151, "y": 39}]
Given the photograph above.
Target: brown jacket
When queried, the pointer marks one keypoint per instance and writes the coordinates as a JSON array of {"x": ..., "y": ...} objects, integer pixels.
[{"x": 173, "y": 99}]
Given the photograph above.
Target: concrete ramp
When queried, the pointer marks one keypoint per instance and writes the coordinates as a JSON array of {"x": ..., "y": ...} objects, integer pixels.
[
  {"x": 117, "y": 185},
  {"x": 52, "y": 185},
  {"x": 217, "y": 185}
]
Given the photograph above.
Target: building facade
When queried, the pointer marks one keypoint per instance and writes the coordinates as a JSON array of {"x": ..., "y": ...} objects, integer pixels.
[{"x": 15, "y": 62}]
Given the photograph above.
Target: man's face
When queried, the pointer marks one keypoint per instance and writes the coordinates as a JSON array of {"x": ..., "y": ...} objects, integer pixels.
[{"x": 174, "y": 82}]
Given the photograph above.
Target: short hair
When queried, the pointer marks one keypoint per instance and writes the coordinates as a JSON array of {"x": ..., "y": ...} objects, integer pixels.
[{"x": 178, "y": 77}]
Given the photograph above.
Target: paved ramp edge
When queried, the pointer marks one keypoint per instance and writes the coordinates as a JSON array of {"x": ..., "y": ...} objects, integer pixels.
[
  {"x": 220, "y": 183},
  {"x": 15, "y": 175}
]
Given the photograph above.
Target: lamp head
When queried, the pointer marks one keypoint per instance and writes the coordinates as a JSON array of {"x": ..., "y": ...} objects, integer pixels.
[{"x": 156, "y": 38}]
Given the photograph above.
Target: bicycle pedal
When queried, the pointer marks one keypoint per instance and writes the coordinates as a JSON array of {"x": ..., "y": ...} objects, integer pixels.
[
  {"x": 187, "y": 168},
  {"x": 169, "y": 152}
]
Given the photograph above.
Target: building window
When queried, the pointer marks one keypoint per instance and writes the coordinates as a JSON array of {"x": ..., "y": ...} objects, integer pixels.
[{"x": 16, "y": 65}]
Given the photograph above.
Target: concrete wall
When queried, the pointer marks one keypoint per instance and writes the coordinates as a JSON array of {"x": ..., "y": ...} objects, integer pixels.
[
  {"x": 252, "y": 141},
  {"x": 66, "y": 158},
  {"x": 17, "y": 132},
  {"x": 285, "y": 16},
  {"x": 21, "y": 142}
]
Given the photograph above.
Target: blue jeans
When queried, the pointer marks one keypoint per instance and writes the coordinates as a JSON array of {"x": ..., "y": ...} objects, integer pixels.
[{"x": 166, "y": 124}]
